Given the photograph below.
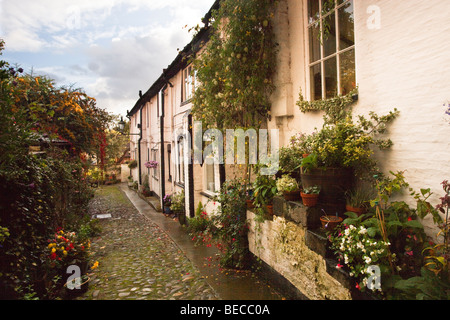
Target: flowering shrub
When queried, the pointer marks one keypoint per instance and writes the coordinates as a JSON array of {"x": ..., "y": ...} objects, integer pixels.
[
  {"x": 231, "y": 220},
  {"x": 66, "y": 249},
  {"x": 167, "y": 200},
  {"x": 359, "y": 251}
]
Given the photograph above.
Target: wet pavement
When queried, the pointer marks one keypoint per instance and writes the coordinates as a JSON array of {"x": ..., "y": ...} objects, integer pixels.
[{"x": 144, "y": 255}]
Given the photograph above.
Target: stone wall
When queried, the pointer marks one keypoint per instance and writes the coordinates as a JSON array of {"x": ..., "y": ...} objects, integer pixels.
[{"x": 293, "y": 245}]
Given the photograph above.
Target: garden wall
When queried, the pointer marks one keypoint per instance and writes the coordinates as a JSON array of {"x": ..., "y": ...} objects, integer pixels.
[{"x": 293, "y": 245}]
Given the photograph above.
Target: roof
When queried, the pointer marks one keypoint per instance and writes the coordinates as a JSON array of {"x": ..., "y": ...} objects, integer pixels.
[{"x": 180, "y": 62}]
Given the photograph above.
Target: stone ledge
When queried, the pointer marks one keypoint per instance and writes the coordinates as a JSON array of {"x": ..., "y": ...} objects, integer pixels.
[
  {"x": 296, "y": 212},
  {"x": 316, "y": 238}
]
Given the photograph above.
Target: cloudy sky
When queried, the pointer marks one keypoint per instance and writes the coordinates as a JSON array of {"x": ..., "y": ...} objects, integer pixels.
[{"x": 110, "y": 48}]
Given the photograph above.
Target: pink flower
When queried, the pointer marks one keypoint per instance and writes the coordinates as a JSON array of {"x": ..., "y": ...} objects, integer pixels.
[
  {"x": 357, "y": 286},
  {"x": 339, "y": 266},
  {"x": 410, "y": 253}
]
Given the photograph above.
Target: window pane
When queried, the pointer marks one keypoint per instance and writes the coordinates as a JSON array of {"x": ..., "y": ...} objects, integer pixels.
[
  {"x": 313, "y": 10},
  {"x": 329, "y": 34},
  {"x": 210, "y": 178},
  {"x": 330, "y": 78},
  {"x": 346, "y": 26},
  {"x": 327, "y": 6},
  {"x": 348, "y": 76},
  {"x": 316, "y": 82},
  {"x": 314, "y": 42}
]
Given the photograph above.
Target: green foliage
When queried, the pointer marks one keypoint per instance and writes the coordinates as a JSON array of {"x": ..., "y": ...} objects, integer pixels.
[
  {"x": 311, "y": 190},
  {"x": 231, "y": 220},
  {"x": 235, "y": 68},
  {"x": 336, "y": 109},
  {"x": 178, "y": 202},
  {"x": 265, "y": 189},
  {"x": 40, "y": 193}
]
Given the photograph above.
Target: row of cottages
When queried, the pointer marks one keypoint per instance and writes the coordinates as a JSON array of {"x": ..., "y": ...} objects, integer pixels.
[
  {"x": 160, "y": 127},
  {"x": 396, "y": 52}
]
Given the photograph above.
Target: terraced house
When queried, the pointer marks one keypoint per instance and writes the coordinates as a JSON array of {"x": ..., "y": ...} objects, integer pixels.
[{"x": 394, "y": 53}]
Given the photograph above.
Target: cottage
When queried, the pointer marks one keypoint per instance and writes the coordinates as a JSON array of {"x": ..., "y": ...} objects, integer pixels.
[{"x": 394, "y": 52}]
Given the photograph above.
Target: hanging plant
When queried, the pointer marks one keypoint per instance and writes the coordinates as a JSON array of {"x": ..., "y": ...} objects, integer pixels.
[{"x": 236, "y": 66}]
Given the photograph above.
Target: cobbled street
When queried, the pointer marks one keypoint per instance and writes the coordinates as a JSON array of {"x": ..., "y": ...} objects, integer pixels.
[{"x": 138, "y": 260}]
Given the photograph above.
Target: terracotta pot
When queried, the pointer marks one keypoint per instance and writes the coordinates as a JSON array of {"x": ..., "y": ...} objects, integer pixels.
[
  {"x": 270, "y": 209},
  {"x": 310, "y": 200},
  {"x": 330, "y": 222},
  {"x": 250, "y": 204},
  {"x": 292, "y": 195},
  {"x": 358, "y": 211}
]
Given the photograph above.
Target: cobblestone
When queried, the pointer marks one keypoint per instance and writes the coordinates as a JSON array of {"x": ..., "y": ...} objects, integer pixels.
[{"x": 137, "y": 259}]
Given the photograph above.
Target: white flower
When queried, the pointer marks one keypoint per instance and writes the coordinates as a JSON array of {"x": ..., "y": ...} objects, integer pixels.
[
  {"x": 362, "y": 230},
  {"x": 367, "y": 259}
]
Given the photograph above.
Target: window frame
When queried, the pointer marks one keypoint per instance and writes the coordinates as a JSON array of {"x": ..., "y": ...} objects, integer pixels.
[
  {"x": 188, "y": 84},
  {"x": 206, "y": 166},
  {"x": 181, "y": 174},
  {"x": 310, "y": 22}
]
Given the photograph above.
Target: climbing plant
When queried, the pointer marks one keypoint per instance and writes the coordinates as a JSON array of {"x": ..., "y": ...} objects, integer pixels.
[{"x": 234, "y": 70}]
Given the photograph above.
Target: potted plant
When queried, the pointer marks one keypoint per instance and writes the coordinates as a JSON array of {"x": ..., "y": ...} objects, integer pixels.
[
  {"x": 151, "y": 164},
  {"x": 133, "y": 164},
  {"x": 178, "y": 206},
  {"x": 342, "y": 149},
  {"x": 250, "y": 198},
  {"x": 310, "y": 196},
  {"x": 265, "y": 188},
  {"x": 357, "y": 199},
  {"x": 167, "y": 202},
  {"x": 329, "y": 223},
  {"x": 289, "y": 187}
]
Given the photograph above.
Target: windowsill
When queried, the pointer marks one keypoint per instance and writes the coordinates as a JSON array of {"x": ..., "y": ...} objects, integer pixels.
[
  {"x": 208, "y": 194},
  {"x": 179, "y": 184},
  {"x": 186, "y": 102}
]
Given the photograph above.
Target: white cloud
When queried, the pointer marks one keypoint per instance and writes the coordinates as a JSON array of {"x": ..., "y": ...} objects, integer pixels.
[{"x": 124, "y": 44}]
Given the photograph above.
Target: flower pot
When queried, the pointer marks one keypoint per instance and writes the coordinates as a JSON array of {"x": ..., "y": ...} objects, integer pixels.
[
  {"x": 181, "y": 218},
  {"x": 250, "y": 204},
  {"x": 167, "y": 210},
  {"x": 310, "y": 200},
  {"x": 291, "y": 195},
  {"x": 358, "y": 211},
  {"x": 270, "y": 209},
  {"x": 333, "y": 183},
  {"x": 330, "y": 222}
]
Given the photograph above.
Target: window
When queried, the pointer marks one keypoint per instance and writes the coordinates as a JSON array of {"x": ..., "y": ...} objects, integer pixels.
[
  {"x": 331, "y": 48},
  {"x": 155, "y": 170},
  {"x": 210, "y": 177},
  {"x": 180, "y": 160},
  {"x": 188, "y": 84}
]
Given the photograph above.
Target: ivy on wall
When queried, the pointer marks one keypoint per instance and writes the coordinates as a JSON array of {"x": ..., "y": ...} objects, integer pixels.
[{"x": 235, "y": 69}]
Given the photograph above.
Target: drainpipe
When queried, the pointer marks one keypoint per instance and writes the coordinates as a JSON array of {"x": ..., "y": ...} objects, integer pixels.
[
  {"x": 139, "y": 141},
  {"x": 162, "y": 149},
  {"x": 191, "y": 173}
]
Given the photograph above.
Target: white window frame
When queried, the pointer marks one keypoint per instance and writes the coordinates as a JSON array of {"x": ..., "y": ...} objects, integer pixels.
[
  {"x": 322, "y": 59},
  {"x": 206, "y": 166},
  {"x": 189, "y": 84}
]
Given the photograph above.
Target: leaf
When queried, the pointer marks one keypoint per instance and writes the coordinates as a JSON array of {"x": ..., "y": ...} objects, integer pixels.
[
  {"x": 372, "y": 231},
  {"x": 413, "y": 224}
]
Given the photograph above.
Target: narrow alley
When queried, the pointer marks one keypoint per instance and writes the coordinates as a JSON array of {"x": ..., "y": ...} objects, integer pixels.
[{"x": 144, "y": 255}]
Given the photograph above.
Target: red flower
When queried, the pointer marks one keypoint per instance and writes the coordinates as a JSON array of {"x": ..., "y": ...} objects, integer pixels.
[
  {"x": 357, "y": 286},
  {"x": 409, "y": 219},
  {"x": 53, "y": 256}
]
